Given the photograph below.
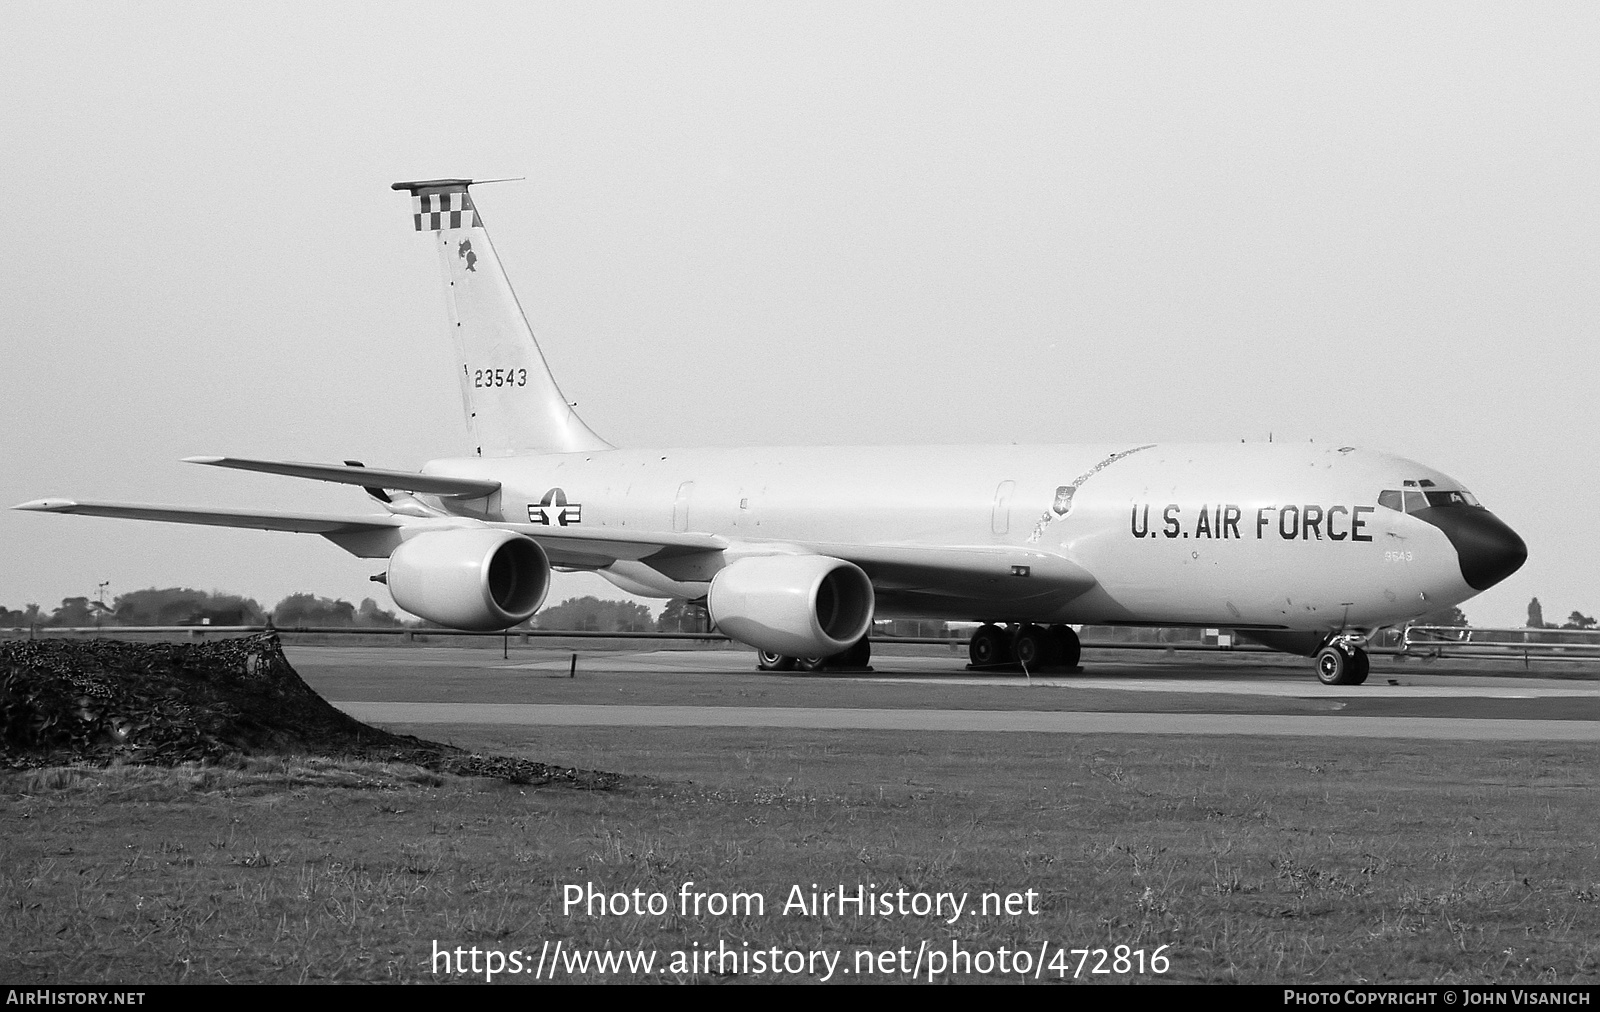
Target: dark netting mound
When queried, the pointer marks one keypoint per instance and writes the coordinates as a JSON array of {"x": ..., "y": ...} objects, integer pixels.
[{"x": 103, "y": 701}]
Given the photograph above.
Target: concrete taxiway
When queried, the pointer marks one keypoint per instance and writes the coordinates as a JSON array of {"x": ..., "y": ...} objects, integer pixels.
[
  {"x": 1187, "y": 695},
  {"x": 989, "y": 721}
]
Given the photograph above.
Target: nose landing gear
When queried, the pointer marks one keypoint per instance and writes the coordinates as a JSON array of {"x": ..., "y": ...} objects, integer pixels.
[{"x": 1342, "y": 662}]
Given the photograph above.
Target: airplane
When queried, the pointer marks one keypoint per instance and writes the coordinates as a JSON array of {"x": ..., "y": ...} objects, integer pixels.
[{"x": 796, "y": 550}]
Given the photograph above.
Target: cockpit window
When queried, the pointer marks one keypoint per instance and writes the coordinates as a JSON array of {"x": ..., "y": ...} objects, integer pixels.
[
  {"x": 1460, "y": 497},
  {"x": 1410, "y": 500}
]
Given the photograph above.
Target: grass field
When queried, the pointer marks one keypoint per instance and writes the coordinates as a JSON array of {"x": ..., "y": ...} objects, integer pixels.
[{"x": 1253, "y": 860}]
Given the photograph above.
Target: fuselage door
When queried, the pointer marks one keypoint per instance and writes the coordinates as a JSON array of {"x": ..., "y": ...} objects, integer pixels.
[
  {"x": 680, "y": 507},
  {"x": 1000, "y": 519}
]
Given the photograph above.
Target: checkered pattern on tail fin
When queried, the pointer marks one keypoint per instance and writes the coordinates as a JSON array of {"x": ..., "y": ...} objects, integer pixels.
[{"x": 435, "y": 211}]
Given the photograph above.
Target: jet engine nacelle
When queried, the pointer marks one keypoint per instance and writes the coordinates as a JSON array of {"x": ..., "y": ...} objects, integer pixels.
[
  {"x": 798, "y": 605},
  {"x": 470, "y": 579}
]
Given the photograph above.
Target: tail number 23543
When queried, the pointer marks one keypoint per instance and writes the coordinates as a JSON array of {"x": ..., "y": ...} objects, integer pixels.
[{"x": 499, "y": 377}]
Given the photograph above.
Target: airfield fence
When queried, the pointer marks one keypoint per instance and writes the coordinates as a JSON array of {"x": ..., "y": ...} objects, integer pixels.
[{"x": 1528, "y": 644}]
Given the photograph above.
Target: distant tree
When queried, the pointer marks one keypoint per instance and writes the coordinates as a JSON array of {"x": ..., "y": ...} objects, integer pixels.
[
  {"x": 594, "y": 615},
  {"x": 1578, "y": 620},
  {"x": 683, "y": 616},
  {"x": 369, "y": 614},
  {"x": 184, "y": 606},
  {"x": 1535, "y": 614},
  {"x": 298, "y": 610},
  {"x": 74, "y": 611},
  {"x": 1444, "y": 616}
]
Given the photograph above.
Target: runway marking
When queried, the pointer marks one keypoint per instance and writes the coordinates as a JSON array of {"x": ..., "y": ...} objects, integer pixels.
[
  {"x": 840, "y": 718},
  {"x": 1266, "y": 685}
]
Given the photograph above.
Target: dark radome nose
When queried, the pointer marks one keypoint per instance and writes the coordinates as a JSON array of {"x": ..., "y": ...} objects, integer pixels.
[{"x": 1489, "y": 550}]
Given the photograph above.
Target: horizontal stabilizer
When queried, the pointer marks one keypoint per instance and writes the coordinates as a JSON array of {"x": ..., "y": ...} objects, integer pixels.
[
  {"x": 406, "y": 481},
  {"x": 261, "y": 520}
]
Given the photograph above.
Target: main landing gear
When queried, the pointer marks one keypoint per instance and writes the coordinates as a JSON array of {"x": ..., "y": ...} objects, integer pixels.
[
  {"x": 1342, "y": 662},
  {"x": 1025, "y": 645},
  {"x": 853, "y": 659}
]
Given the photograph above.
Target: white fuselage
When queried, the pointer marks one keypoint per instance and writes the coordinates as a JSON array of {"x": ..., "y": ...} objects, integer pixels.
[
  {"x": 794, "y": 549},
  {"x": 1243, "y": 535}
]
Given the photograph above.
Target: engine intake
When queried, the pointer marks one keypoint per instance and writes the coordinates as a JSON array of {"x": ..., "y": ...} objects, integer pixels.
[
  {"x": 797, "y": 605},
  {"x": 478, "y": 579}
]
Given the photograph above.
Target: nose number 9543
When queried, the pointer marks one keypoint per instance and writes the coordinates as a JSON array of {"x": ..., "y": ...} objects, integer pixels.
[{"x": 1397, "y": 556}]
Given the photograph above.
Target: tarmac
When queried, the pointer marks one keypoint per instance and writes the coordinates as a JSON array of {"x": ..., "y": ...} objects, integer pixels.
[{"x": 932, "y": 691}]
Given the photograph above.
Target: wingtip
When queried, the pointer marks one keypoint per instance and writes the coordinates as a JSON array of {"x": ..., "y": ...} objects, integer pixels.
[
  {"x": 45, "y": 505},
  {"x": 203, "y": 460}
]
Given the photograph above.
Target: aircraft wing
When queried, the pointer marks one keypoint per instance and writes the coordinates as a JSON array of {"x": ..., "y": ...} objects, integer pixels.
[
  {"x": 598, "y": 547},
  {"x": 376, "y": 535},
  {"x": 1002, "y": 572},
  {"x": 367, "y": 477},
  {"x": 368, "y": 536},
  {"x": 261, "y": 520},
  {"x": 991, "y": 571}
]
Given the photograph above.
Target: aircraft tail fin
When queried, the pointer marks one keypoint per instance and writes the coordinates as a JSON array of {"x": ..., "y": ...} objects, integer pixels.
[{"x": 512, "y": 402}]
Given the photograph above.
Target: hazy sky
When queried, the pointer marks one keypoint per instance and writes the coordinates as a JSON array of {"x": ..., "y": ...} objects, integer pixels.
[{"x": 798, "y": 223}]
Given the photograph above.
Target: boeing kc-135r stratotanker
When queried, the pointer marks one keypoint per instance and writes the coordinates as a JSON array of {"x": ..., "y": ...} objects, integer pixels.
[{"x": 794, "y": 550}]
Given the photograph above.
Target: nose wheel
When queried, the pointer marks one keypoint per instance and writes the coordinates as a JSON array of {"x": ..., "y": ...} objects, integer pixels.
[{"x": 1341, "y": 663}]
